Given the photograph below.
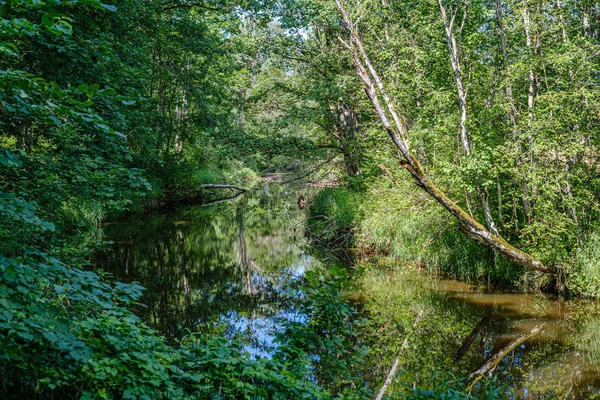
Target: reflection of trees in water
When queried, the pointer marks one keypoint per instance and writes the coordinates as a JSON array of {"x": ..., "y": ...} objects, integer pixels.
[
  {"x": 203, "y": 262},
  {"x": 461, "y": 332}
]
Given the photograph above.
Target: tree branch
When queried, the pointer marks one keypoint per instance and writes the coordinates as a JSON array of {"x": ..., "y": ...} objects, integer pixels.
[
  {"x": 222, "y": 186},
  {"x": 471, "y": 227}
]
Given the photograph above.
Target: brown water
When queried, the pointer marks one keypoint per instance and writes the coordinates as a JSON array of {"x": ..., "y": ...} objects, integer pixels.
[
  {"x": 222, "y": 263},
  {"x": 562, "y": 361}
]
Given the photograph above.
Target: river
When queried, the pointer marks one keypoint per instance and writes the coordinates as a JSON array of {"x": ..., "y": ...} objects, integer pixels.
[{"x": 222, "y": 264}]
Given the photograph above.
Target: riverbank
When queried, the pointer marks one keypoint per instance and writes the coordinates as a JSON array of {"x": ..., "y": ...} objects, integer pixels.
[{"x": 391, "y": 223}]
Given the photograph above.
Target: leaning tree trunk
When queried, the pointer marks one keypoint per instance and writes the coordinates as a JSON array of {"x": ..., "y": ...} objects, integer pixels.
[{"x": 374, "y": 88}]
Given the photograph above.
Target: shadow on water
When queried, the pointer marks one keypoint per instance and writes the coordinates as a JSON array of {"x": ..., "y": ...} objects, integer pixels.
[
  {"x": 562, "y": 361},
  {"x": 224, "y": 262}
]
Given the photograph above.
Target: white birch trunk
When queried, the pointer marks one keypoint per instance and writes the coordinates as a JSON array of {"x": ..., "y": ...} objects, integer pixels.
[
  {"x": 471, "y": 227},
  {"x": 454, "y": 53}
]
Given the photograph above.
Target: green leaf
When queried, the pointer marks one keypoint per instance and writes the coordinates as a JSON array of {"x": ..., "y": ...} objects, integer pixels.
[{"x": 51, "y": 337}]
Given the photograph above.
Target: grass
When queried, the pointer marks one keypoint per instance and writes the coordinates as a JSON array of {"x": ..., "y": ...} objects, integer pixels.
[
  {"x": 584, "y": 279},
  {"x": 404, "y": 226},
  {"x": 332, "y": 214}
]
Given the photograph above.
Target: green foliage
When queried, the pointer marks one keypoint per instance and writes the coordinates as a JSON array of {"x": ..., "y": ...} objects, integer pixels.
[
  {"x": 95, "y": 102},
  {"x": 66, "y": 331},
  {"x": 332, "y": 214},
  {"x": 327, "y": 332},
  {"x": 108, "y": 108},
  {"x": 584, "y": 278},
  {"x": 530, "y": 116},
  {"x": 215, "y": 367},
  {"x": 405, "y": 227}
]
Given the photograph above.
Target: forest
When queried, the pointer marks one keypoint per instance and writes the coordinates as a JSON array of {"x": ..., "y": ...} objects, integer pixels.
[{"x": 299, "y": 199}]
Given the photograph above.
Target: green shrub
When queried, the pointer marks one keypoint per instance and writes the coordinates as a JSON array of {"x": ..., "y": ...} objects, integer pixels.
[
  {"x": 407, "y": 227},
  {"x": 67, "y": 332},
  {"x": 327, "y": 333}
]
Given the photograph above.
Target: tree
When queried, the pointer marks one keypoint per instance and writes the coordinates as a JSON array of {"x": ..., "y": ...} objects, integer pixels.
[{"x": 374, "y": 88}]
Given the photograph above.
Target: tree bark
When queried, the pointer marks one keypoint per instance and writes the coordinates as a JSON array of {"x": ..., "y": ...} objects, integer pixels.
[
  {"x": 454, "y": 53},
  {"x": 346, "y": 124},
  {"x": 471, "y": 227}
]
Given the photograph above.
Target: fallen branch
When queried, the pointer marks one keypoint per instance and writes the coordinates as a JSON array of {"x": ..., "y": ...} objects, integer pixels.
[
  {"x": 385, "y": 325},
  {"x": 210, "y": 203},
  {"x": 392, "y": 373},
  {"x": 222, "y": 186},
  {"x": 496, "y": 358}
]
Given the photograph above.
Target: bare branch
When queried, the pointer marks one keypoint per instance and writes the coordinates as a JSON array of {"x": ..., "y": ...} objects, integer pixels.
[{"x": 222, "y": 186}]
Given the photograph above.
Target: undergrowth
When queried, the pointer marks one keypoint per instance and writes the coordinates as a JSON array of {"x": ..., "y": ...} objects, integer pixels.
[{"x": 397, "y": 224}]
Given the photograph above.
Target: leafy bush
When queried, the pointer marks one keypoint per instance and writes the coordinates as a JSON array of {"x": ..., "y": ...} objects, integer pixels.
[
  {"x": 327, "y": 332},
  {"x": 584, "y": 279},
  {"x": 67, "y": 332}
]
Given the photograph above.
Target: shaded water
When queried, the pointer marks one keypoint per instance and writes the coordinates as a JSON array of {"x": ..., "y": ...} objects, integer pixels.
[
  {"x": 216, "y": 263},
  {"x": 562, "y": 361},
  {"x": 222, "y": 263}
]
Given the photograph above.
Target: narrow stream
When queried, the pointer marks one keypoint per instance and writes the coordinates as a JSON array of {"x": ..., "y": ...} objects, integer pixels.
[{"x": 222, "y": 263}]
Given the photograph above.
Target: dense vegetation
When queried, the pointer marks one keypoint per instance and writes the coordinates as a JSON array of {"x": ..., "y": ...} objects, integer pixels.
[
  {"x": 496, "y": 102},
  {"x": 126, "y": 107}
]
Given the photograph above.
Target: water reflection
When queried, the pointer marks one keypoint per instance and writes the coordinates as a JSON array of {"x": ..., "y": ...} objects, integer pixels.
[
  {"x": 223, "y": 263},
  {"x": 205, "y": 263},
  {"x": 562, "y": 361}
]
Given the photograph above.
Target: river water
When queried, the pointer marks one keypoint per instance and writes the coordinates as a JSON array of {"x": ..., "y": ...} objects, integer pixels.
[{"x": 222, "y": 264}]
